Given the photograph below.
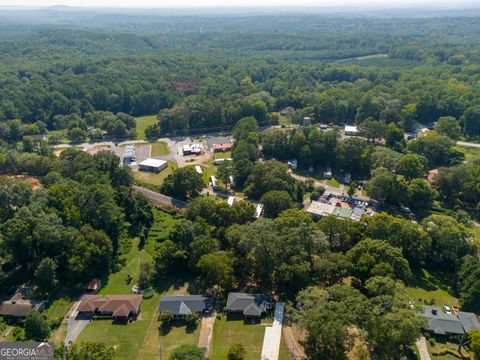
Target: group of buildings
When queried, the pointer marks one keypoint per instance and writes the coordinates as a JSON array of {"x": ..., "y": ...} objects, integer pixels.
[
  {"x": 239, "y": 304},
  {"x": 319, "y": 209}
]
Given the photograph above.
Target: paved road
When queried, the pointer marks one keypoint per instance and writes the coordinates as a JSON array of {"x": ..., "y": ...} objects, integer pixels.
[
  {"x": 468, "y": 144},
  {"x": 422, "y": 348},
  {"x": 163, "y": 199}
]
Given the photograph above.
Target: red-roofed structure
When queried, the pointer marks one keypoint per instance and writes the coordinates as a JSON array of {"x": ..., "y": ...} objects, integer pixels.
[{"x": 118, "y": 306}]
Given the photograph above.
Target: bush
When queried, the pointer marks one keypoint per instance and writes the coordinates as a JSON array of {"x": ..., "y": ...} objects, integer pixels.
[
  {"x": 236, "y": 352},
  {"x": 432, "y": 341},
  {"x": 166, "y": 317},
  {"x": 55, "y": 323}
]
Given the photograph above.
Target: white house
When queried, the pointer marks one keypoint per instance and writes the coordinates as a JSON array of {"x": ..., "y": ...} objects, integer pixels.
[{"x": 351, "y": 130}]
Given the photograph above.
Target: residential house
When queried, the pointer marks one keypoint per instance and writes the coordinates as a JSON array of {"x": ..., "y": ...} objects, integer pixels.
[
  {"x": 20, "y": 305},
  {"x": 121, "y": 307},
  {"x": 181, "y": 306},
  {"x": 439, "y": 323},
  {"x": 248, "y": 305}
]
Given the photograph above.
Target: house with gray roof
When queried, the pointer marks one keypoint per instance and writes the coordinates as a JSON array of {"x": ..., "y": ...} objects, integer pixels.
[
  {"x": 440, "y": 323},
  {"x": 248, "y": 305},
  {"x": 181, "y": 306}
]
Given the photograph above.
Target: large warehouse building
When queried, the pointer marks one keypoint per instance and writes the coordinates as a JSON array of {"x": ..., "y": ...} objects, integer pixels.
[{"x": 152, "y": 165}]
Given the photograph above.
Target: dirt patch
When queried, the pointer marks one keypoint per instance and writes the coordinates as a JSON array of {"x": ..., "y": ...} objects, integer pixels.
[
  {"x": 34, "y": 181},
  {"x": 96, "y": 149}
]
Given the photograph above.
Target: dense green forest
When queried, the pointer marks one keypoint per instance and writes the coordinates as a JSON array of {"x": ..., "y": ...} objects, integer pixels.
[{"x": 82, "y": 75}]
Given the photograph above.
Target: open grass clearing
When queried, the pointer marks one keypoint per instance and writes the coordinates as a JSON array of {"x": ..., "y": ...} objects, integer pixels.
[
  {"x": 429, "y": 287},
  {"x": 153, "y": 178},
  {"x": 471, "y": 153},
  {"x": 476, "y": 233},
  {"x": 160, "y": 149},
  {"x": 228, "y": 332},
  {"x": 223, "y": 155},
  {"x": 163, "y": 223},
  {"x": 142, "y": 122},
  {"x": 333, "y": 183}
]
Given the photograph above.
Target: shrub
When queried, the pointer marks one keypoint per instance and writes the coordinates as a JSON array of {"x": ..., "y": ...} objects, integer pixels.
[
  {"x": 432, "y": 341},
  {"x": 236, "y": 352}
]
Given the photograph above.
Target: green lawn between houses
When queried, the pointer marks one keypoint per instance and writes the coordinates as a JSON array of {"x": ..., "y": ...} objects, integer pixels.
[
  {"x": 141, "y": 339},
  {"x": 228, "y": 332},
  {"x": 142, "y": 122},
  {"x": 470, "y": 153},
  {"x": 429, "y": 287}
]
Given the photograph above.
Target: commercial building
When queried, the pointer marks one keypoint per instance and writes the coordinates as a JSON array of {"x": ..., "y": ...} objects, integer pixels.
[
  {"x": 152, "y": 165},
  {"x": 351, "y": 130}
]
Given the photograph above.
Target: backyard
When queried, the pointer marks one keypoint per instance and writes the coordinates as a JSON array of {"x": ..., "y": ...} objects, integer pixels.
[
  {"x": 141, "y": 338},
  {"x": 228, "y": 332},
  {"x": 429, "y": 287}
]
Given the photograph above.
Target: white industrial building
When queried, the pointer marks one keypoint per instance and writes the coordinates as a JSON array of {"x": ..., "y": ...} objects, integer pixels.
[{"x": 152, "y": 165}]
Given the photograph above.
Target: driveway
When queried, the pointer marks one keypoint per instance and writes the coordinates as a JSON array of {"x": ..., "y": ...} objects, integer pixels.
[
  {"x": 468, "y": 144},
  {"x": 75, "y": 324},
  {"x": 422, "y": 348},
  {"x": 273, "y": 335},
  {"x": 206, "y": 332}
]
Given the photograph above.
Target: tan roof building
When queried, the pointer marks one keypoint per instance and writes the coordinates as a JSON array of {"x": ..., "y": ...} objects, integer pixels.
[
  {"x": 115, "y": 305},
  {"x": 20, "y": 306}
]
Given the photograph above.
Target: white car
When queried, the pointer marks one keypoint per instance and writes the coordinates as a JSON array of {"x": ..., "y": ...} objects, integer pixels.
[{"x": 447, "y": 309}]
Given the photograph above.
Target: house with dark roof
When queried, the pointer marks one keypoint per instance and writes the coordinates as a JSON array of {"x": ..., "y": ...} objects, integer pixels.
[
  {"x": 119, "y": 307},
  {"x": 20, "y": 305},
  {"x": 439, "y": 323},
  {"x": 181, "y": 306},
  {"x": 248, "y": 305}
]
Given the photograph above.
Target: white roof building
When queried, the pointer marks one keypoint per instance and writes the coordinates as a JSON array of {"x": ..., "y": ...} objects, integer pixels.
[
  {"x": 231, "y": 200},
  {"x": 318, "y": 208},
  {"x": 198, "y": 169},
  {"x": 154, "y": 165},
  {"x": 351, "y": 130}
]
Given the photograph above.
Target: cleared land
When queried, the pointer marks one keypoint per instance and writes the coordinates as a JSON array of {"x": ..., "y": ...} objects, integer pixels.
[
  {"x": 228, "y": 332},
  {"x": 142, "y": 123},
  {"x": 430, "y": 287},
  {"x": 160, "y": 148},
  {"x": 471, "y": 153},
  {"x": 162, "y": 225},
  {"x": 155, "y": 179}
]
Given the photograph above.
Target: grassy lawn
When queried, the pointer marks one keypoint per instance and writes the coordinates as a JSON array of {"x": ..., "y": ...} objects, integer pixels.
[
  {"x": 285, "y": 353},
  {"x": 470, "y": 152},
  {"x": 228, "y": 332},
  {"x": 442, "y": 344},
  {"x": 476, "y": 232},
  {"x": 163, "y": 223},
  {"x": 142, "y": 123},
  {"x": 140, "y": 339},
  {"x": 333, "y": 183},
  {"x": 223, "y": 155},
  {"x": 155, "y": 179},
  {"x": 430, "y": 287},
  {"x": 160, "y": 148}
]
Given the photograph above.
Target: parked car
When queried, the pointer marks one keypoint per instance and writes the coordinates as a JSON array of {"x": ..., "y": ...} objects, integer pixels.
[{"x": 447, "y": 309}]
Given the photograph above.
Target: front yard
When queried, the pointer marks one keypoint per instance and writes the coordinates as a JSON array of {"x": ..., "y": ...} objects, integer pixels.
[
  {"x": 152, "y": 178},
  {"x": 228, "y": 332}
]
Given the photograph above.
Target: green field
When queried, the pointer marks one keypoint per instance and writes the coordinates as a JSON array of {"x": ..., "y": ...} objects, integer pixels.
[
  {"x": 162, "y": 225},
  {"x": 333, "y": 183},
  {"x": 159, "y": 149},
  {"x": 470, "y": 153},
  {"x": 228, "y": 332},
  {"x": 155, "y": 179},
  {"x": 142, "y": 123},
  {"x": 476, "y": 232},
  {"x": 430, "y": 287},
  {"x": 223, "y": 155}
]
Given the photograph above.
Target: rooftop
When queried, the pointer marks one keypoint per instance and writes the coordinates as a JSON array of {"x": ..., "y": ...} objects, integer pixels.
[
  {"x": 185, "y": 305},
  {"x": 118, "y": 305},
  {"x": 153, "y": 163}
]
